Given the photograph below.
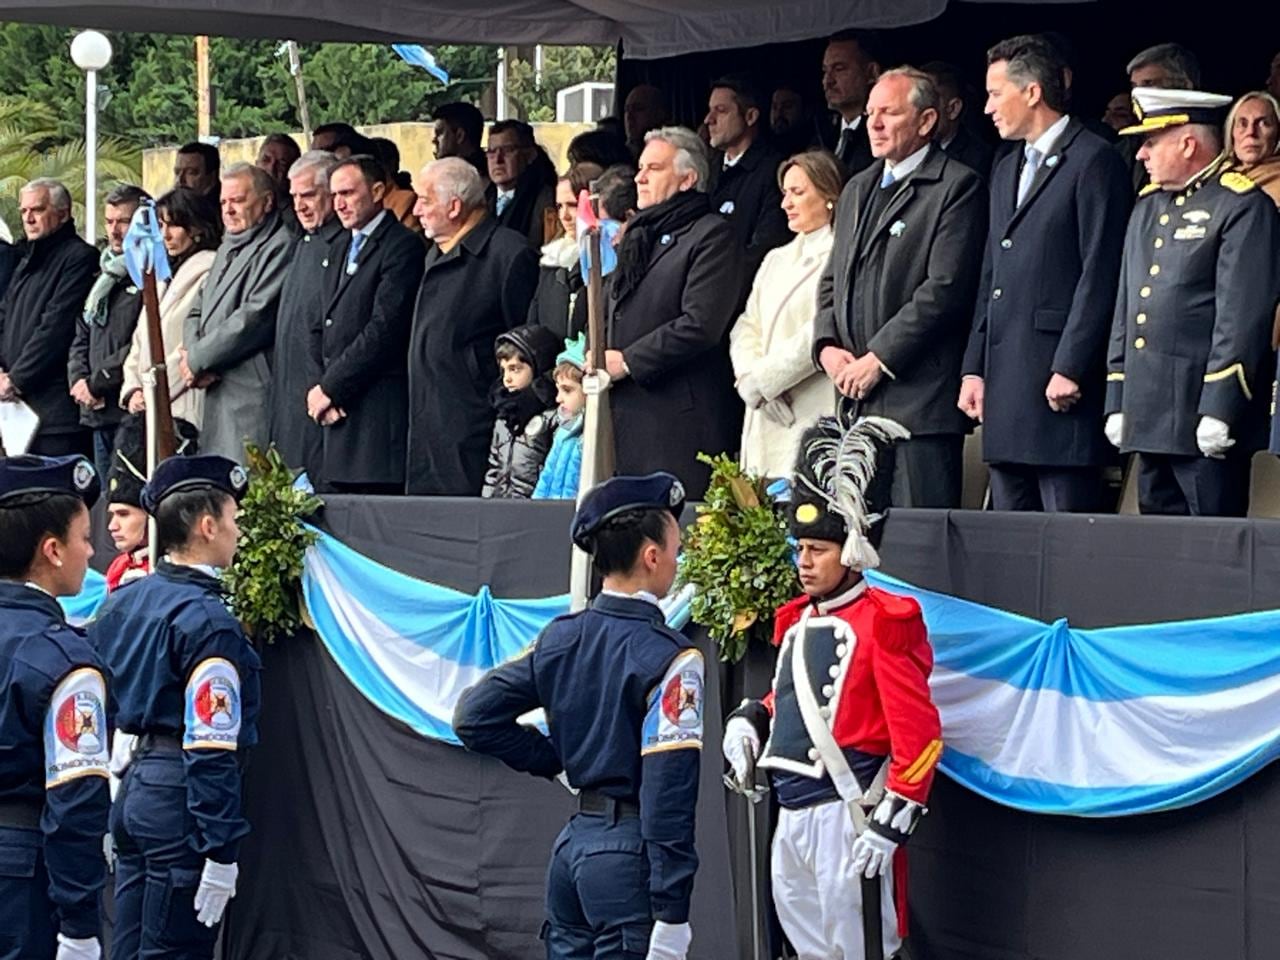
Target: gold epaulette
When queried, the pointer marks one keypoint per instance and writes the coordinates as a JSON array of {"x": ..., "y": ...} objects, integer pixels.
[{"x": 1237, "y": 182}]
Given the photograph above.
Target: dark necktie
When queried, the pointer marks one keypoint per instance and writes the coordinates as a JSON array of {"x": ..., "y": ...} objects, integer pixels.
[{"x": 844, "y": 148}]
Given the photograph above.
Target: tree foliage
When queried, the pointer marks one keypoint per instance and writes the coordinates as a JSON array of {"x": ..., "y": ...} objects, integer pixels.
[{"x": 561, "y": 67}]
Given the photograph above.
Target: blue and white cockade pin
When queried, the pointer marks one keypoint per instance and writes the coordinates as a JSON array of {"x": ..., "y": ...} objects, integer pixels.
[
  {"x": 727, "y": 207},
  {"x": 897, "y": 228},
  {"x": 325, "y": 263},
  {"x": 1052, "y": 161},
  {"x": 664, "y": 239}
]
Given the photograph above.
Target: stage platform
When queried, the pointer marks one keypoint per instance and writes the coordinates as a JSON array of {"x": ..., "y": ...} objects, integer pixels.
[{"x": 372, "y": 842}]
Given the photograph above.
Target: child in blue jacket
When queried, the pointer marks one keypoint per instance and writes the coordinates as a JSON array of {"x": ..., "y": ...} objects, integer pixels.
[{"x": 563, "y": 466}]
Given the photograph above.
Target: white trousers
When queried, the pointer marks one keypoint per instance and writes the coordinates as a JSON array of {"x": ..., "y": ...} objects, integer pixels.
[{"x": 817, "y": 894}]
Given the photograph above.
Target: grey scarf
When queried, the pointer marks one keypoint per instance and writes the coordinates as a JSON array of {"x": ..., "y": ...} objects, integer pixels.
[{"x": 112, "y": 270}]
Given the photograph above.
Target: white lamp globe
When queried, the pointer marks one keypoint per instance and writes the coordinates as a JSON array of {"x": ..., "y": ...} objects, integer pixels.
[{"x": 91, "y": 50}]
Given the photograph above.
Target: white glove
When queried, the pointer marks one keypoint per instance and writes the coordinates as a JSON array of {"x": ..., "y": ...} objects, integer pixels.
[
  {"x": 749, "y": 392},
  {"x": 669, "y": 941},
  {"x": 87, "y": 949},
  {"x": 217, "y": 887},
  {"x": 562, "y": 778},
  {"x": 1213, "y": 437},
  {"x": 109, "y": 851},
  {"x": 736, "y": 731},
  {"x": 1114, "y": 428},
  {"x": 122, "y": 745},
  {"x": 872, "y": 853}
]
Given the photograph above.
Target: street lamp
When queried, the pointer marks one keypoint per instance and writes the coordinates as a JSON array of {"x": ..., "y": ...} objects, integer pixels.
[{"x": 91, "y": 52}]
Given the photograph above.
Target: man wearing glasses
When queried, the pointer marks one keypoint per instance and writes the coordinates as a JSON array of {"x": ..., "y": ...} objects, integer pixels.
[{"x": 524, "y": 181}]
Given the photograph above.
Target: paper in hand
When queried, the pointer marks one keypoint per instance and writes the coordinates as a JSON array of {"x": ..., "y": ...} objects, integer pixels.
[{"x": 18, "y": 426}]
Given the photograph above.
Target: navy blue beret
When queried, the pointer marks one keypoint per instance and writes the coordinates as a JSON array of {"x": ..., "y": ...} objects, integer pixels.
[
  {"x": 30, "y": 476},
  {"x": 656, "y": 491},
  {"x": 194, "y": 473}
]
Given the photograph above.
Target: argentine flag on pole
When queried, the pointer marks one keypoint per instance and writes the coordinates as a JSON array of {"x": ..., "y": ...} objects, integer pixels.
[{"x": 417, "y": 55}]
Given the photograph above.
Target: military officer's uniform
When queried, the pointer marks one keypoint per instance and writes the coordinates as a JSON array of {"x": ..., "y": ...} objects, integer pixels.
[
  {"x": 184, "y": 680},
  {"x": 1190, "y": 336},
  {"x": 850, "y": 734},
  {"x": 623, "y": 695},
  {"x": 53, "y": 749}
]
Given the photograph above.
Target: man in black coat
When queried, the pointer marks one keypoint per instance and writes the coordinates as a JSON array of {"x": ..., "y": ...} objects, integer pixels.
[
  {"x": 1033, "y": 372},
  {"x": 954, "y": 134},
  {"x": 296, "y": 435},
  {"x": 524, "y": 181},
  {"x": 746, "y": 193},
  {"x": 38, "y": 318},
  {"x": 478, "y": 282},
  {"x": 105, "y": 332},
  {"x": 359, "y": 338},
  {"x": 1190, "y": 368},
  {"x": 850, "y": 67},
  {"x": 668, "y": 310},
  {"x": 896, "y": 297}
]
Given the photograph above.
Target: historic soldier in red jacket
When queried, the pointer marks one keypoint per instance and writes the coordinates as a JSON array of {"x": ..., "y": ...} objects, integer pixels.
[{"x": 850, "y": 735}]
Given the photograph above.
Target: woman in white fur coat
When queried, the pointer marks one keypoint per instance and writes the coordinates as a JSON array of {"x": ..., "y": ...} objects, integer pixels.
[
  {"x": 771, "y": 344},
  {"x": 192, "y": 229}
]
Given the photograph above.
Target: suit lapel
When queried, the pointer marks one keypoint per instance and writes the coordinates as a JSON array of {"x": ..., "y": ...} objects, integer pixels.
[
  {"x": 230, "y": 275},
  {"x": 1048, "y": 167}
]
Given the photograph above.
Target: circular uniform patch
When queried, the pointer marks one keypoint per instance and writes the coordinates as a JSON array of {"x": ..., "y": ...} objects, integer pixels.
[{"x": 82, "y": 476}]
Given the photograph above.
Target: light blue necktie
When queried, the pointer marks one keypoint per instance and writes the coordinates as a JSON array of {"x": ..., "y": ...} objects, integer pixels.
[
  {"x": 1029, "y": 169},
  {"x": 357, "y": 241},
  {"x": 887, "y": 180}
]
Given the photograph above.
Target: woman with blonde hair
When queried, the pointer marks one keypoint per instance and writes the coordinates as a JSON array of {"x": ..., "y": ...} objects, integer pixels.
[
  {"x": 1252, "y": 138},
  {"x": 771, "y": 345}
]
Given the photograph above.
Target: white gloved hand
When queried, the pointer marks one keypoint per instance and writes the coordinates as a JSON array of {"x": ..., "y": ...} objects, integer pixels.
[
  {"x": 122, "y": 745},
  {"x": 562, "y": 778},
  {"x": 1213, "y": 437},
  {"x": 217, "y": 887},
  {"x": 1114, "y": 429},
  {"x": 872, "y": 853},
  {"x": 749, "y": 392},
  {"x": 109, "y": 851},
  {"x": 669, "y": 941},
  {"x": 739, "y": 737},
  {"x": 86, "y": 949}
]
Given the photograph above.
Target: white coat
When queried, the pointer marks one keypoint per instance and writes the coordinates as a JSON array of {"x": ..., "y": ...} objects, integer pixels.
[{"x": 772, "y": 344}]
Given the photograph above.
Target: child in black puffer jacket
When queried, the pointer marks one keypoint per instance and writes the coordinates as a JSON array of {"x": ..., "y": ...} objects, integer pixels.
[{"x": 525, "y": 402}]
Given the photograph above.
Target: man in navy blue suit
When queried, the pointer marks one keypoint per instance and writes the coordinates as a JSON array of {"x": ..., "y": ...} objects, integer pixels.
[{"x": 1034, "y": 371}]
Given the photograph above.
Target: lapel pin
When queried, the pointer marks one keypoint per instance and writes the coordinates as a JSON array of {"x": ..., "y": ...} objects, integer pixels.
[
  {"x": 325, "y": 263},
  {"x": 665, "y": 239},
  {"x": 897, "y": 228},
  {"x": 1052, "y": 161}
]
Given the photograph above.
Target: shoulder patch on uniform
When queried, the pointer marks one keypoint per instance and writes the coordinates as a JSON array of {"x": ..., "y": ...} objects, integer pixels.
[
  {"x": 893, "y": 605},
  {"x": 674, "y": 717},
  {"x": 75, "y": 731},
  {"x": 1149, "y": 189},
  {"x": 1236, "y": 182},
  {"x": 212, "y": 706}
]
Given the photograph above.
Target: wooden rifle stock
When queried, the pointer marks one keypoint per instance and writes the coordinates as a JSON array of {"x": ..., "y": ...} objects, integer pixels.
[{"x": 161, "y": 440}]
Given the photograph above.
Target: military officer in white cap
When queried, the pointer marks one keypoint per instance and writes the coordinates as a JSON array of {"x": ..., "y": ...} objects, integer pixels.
[{"x": 1190, "y": 366}]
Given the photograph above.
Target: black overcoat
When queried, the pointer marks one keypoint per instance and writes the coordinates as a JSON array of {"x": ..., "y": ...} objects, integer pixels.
[
  {"x": 479, "y": 289},
  {"x": 1049, "y": 274},
  {"x": 359, "y": 339},
  {"x": 98, "y": 353},
  {"x": 901, "y": 285},
  {"x": 679, "y": 399}
]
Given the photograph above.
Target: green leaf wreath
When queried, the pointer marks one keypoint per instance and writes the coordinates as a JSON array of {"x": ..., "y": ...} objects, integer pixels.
[
  {"x": 737, "y": 557},
  {"x": 265, "y": 582}
]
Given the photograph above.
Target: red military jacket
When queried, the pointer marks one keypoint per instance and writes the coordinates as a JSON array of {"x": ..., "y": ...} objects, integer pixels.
[
  {"x": 869, "y": 660},
  {"x": 126, "y": 567}
]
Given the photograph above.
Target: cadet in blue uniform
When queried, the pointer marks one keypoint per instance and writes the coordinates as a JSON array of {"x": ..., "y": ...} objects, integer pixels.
[
  {"x": 623, "y": 695},
  {"x": 184, "y": 679},
  {"x": 53, "y": 720}
]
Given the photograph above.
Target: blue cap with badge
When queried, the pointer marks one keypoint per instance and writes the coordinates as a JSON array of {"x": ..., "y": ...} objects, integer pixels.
[
  {"x": 206, "y": 472},
  {"x": 617, "y": 495},
  {"x": 27, "y": 479}
]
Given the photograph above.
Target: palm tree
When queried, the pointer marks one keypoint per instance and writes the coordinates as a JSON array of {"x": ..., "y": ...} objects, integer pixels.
[{"x": 29, "y": 148}]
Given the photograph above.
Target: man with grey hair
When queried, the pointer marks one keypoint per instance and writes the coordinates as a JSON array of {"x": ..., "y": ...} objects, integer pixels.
[
  {"x": 1033, "y": 370},
  {"x": 294, "y": 433},
  {"x": 1167, "y": 66},
  {"x": 896, "y": 297},
  {"x": 479, "y": 280},
  {"x": 229, "y": 333},
  {"x": 673, "y": 296},
  {"x": 39, "y": 315}
]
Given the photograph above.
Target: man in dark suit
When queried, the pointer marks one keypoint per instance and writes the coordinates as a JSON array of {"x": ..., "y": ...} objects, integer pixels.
[
  {"x": 294, "y": 433},
  {"x": 1190, "y": 368},
  {"x": 39, "y": 315},
  {"x": 360, "y": 334},
  {"x": 524, "y": 180},
  {"x": 895, "y": 300},
  {"x": 954, "y": 134},
  {"x": 1034, "y": 367},
  {"x": 746, "y": 193},
  {"x": 849, "y": 69},
  {"x": 668, "y": 312},
  {"x": 478, "y": 282},
  {"x": 1167, "y": 66}
]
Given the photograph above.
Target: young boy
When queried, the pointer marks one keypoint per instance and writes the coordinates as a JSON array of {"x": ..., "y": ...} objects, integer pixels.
[
  {"x": 563, "y": 469},
  {"x": 524, "y": 399}
]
